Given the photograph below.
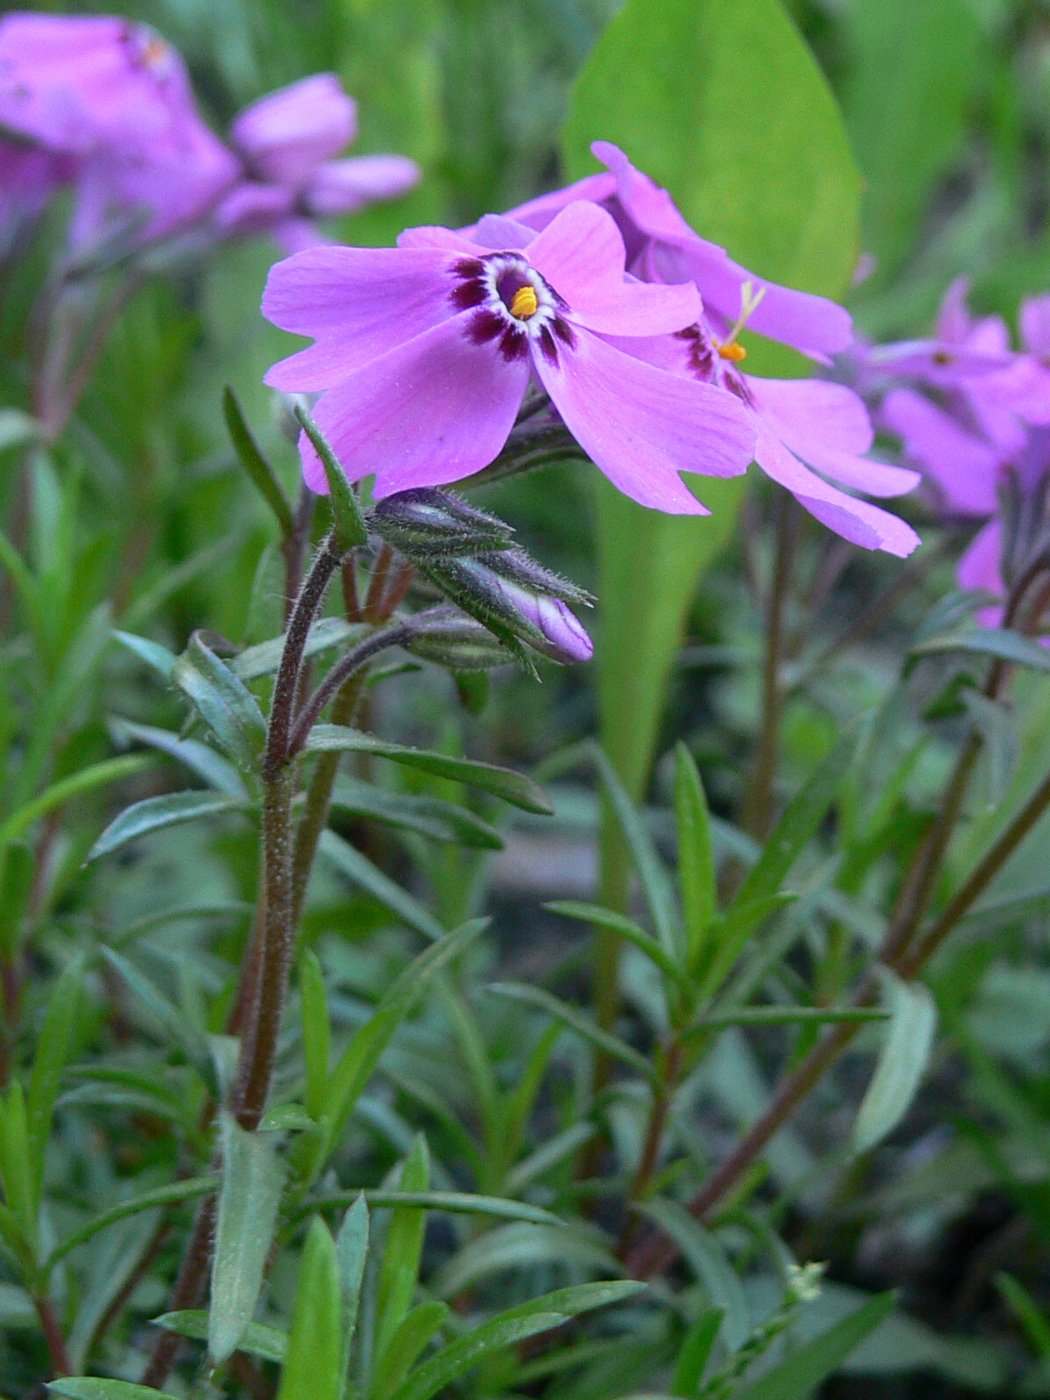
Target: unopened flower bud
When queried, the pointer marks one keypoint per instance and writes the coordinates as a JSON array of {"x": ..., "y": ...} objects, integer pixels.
[
  {"x": 452, "y": 639},
  {"x": 515, "y": 611},
  {"x": 424, "y": 524}
]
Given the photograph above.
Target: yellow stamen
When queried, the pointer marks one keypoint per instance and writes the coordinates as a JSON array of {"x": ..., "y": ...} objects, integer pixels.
[
  {"x": 731, "y": 351},
  {"x": 525, "y": 302}
]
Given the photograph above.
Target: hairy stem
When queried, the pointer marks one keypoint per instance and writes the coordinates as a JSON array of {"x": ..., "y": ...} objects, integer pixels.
[
  {"x": 187, "y": 1293},
  {"x": 341, "y": 672}
]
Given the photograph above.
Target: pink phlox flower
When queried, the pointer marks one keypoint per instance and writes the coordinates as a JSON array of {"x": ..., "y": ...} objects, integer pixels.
[
  {"x": 661, "y": 247},
  {"x": 116, "y": 97},
  {"x": 811, "y": 437},
  {"x": 973, "y": 427},
  {"x": 28, "y": 178},
  {"x": 424, "y": 353},
  {"x": 288, "y": 142}
]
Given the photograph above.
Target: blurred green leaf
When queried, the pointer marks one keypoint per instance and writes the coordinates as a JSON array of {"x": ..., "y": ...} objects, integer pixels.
[
  {"x": 806, "y": 1366},
  {"x": 428, "y": 816},
  {"x": 351, "y": 1254},
  {"x": 49, "y": 1062},
  {"x": 707, "y": 1259},
  {"x": 110, "y": 770},
  {"x": 264, "y": 659},
  {"x": 621, "y": 924},
  {"x": 160, "y": 1196},
  {"x": 317, "y": 1031},
  {"x": 199, "y": 758},
  {"x": 406, "y": 1345},
  {"x": 909, "y": 85},
  {"x": 263, "y": 476},
  {"x": 101, "y": 1388},
  {"x": 901, "y": 1064},
  {"x": 159, "y": 658},
  {"x": 176, "y": 1027},
  {"x": 577, "y": 1021},
  {"x": 694, "y": 1353},
  {"x": 696, "y": 860},
  {"x": 359, "y": 869}
]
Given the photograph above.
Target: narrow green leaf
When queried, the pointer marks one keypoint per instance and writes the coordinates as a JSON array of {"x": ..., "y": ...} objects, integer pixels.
[
  {"x": 255, "y": 464},
  {"x": 101, "y": 1388},
  {"x": 418, "y": 1328},
  {"x": 515, "y": 788},
  {"x": 709, "y": 1264},
  {"x": 696, "y": 860},
  {"x": 16, "y": 1165},
  {"x": 1028, "y": 1313},
  {"x": 695, "y": 1352},
  {"x": 49, "y": 1062},
  {"x": 350, "y": 528},
  {"x": 988, "y": 641},
  {"x": 313, "y": 1364},
  {"x": 510, "y": 1327},
  {"x": 360, "y": 1058},
  {"x": 228, "y": 709},
  {"x": 428, "y": 816},
  {"x": 359, "y": 869},
  {"x": 625, "y": 927},
  {"x": 159, "y": 658},
  {"x": 577, "y": 1021},
  {"x": 806, "y": 1366},
  {"x": 17, "y": 874},
  {"x": 110, "y": 770},
  {"x": 787, "y": 1016},
  {"x": 351, "y": 1254},
  {"x": 317, "y": 1031},
  {"x": 457, "y": 1202},
  {"x": 175, "y": 1025},
  {"x": 199, "y": 758},
  {"x": 901, "y": 1065},
  {"x": 798, "y": 825},
  {"x": 161, "y": 1196},
  {"x": 157, "y": 814},
  {"x": 399, "y": 1272},
  {"x": 258, "y": 1339},
  {"x": 655, "y": 882},
  {"x": 264, "y": 659},
  {"x": 250, "y": 1193}
]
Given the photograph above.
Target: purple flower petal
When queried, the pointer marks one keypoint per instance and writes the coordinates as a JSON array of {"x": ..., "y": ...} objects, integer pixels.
[
  {"x": 254, "y": 208},
  {"x": 359, "y": 303},
  {"x": 344, "y": 186},
  {"x": 537, "y": 213},
  {"x": 431, "y": 411},
  {"x": 642, "y": 426},
  {"x": 1035, "y": 324},
  {"x": 297, "y": 235},
  {"x": 827, "y": 426},
  {"x": 964, "y": 467},
  {"x": 857, "y": 521},
  {"x": 286, "y": 135},
  {"x": 980, "y": 564},
  {"x": 498, "y": 232},
  {"x": 816, "y": 326},
  {"x": 581, "y": 254},
  {"x": 434, "y": 236}
]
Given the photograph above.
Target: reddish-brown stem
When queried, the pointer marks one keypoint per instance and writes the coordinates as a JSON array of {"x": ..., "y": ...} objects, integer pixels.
[
  {"x": 56, "y": 1342},
  {"x": 187, "y": 1293}
]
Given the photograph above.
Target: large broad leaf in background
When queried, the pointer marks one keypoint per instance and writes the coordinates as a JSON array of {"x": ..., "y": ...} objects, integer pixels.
[
  {"x": 909, "y": 94},
  {"x": 721, "y": 102}
]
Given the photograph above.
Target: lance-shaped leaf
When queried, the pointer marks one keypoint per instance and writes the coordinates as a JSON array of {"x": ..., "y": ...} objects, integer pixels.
[
  {"x": 509, "y": 1328},
  {"x": 313, "y": 1362},
  {"x": 103, "y": 1388},
  {"x": 902, "y": 1063},
  {"x": 710, "y": 1265},
  {"x": 200, "y": 758},
  {"x": 696, "y": 861},
  {"x": 806, "y": 1366},
  {"x": 403, "y": 1250},
  {"x": 49, "y": 1062},
  {"x": 516, "y": 788},
  {"x": 152, "y": 653},
  {"x": 229, "y": 710},
  {"x": 351, "y": 1254},
  {"x": 258, "y": 1338},
  {"x": 577, "y": 1021},
  {"x": 247, "y": 1212},
  {"x": 255, "y": 464},
  {"x": 158, "y": 813},
  {"x": 428, "y": 816},
  {"x": 350, "y": 528},
  {"x": 176, "y": 1027},
  {"x": 358, "y": 868},
  {"x": 264, "y": 659},
  {"x": 988, "y": 641}
]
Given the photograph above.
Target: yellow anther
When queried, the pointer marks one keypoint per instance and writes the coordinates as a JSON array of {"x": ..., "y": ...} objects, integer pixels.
[
  {"x": 524, "y": 303},
  {"x": 731, "y": 351}
]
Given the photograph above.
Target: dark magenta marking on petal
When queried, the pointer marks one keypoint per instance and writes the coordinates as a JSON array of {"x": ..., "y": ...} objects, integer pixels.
[
  {"x": 467, "y": 294},
  {"x": 469, "y": 267},
  {"x": 737, "y": 385},
  {"x": 513, "y": 344},
  {"x": 547, "y": 346},
  {"x": 485, "y": 325},
  {"x": 564, "y": 332}
]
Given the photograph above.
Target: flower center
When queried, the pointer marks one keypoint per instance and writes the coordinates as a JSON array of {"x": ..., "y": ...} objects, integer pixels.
[{"x": 524, "y": 302}]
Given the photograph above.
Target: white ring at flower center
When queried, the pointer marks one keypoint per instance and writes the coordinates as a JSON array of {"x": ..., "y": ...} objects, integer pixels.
[{"x": 496, "y": 266}]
